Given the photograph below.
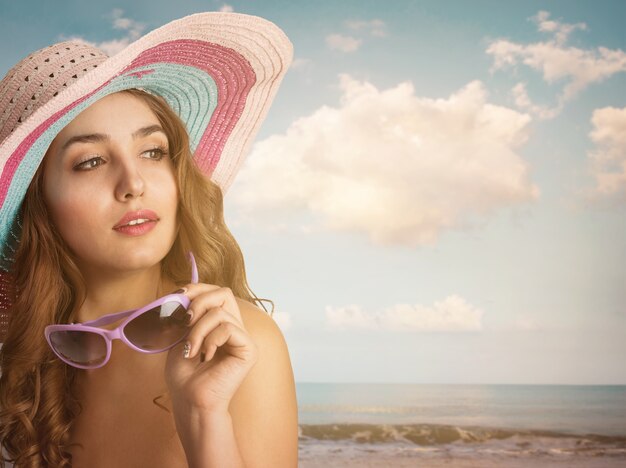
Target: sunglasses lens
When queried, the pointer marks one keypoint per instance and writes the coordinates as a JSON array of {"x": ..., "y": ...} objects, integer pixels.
[
  {"x": 158, "y": 328},
  {"x": 79, "y": 347}
]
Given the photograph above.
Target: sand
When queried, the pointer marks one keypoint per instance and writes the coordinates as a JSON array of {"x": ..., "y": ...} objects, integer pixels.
[
  {"x": 321, "y": 454},
  {"x": 381, "y": 461}
]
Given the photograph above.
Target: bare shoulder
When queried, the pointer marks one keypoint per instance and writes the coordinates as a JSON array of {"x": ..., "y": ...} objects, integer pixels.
[
  {"x": 266, "y": 396},
  {"x": 271, "y": 344},
  {"x": 256, "y": 320}
]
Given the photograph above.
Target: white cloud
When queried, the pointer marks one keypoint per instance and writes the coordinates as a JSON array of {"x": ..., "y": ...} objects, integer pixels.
[
  {"x": 578, "y": 68},
  {"x": 525, "y": 323},
  {"x": 522, "y": 100},
  {"x": 451, "y": 314},
  {"x": 134, "y": 31},
  {"x": 375, "y": 27},
  {"x": 304, "y": 67},
  {"x": 301, "y": 63},
  {"x": 282, "y": 319},
  {"x": 109, "y": 47},
  {"x": 388, "y": 164},
  {"x": 227, "y": 8},
  {"x": 134, "y": 28},
  {"x": 608, "y": 158},
  {"x": 342, "y": 43},
  {"x": 560, "y": 30}
]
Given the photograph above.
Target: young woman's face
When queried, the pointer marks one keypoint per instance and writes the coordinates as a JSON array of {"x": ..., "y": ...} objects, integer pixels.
[{"x": 108, "y": 167}]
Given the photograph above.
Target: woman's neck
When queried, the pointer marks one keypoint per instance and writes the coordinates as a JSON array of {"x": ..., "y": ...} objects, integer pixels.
[{"x": 108, "y": 294}]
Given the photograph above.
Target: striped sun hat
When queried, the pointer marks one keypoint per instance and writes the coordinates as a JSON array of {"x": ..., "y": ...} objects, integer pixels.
[{"x": 218, "y": 71}]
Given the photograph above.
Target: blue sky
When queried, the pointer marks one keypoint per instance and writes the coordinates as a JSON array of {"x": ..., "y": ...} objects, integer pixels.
[{"x": 438, "y": 194}]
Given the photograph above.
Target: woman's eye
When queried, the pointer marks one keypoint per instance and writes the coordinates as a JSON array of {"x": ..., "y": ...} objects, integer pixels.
[
  {"x": 156, "y": 153},
  {"x": 88, "y": 164}
]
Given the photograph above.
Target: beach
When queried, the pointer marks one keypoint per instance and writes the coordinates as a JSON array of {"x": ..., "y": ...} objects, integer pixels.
[
  {"x": 514, "y": 453},
  {"x": 435, "y": 445},
  {"x": 406, "y": 425}
]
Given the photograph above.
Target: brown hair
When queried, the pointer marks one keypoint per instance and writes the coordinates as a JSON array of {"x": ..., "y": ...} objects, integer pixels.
[{"x": 37, "y": 403}]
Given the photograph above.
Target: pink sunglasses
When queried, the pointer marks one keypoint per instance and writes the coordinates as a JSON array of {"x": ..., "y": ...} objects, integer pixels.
[{"x": 154, "y": 328}]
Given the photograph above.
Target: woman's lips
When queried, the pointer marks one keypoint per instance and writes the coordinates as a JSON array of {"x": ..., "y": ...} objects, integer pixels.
[
  {"x": 136, "y": 223},
  {"x": 137, "y": 229}
]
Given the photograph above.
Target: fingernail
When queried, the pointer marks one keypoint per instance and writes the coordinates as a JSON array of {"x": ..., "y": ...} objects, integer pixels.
[
  {"x": 181, "y": 291},
  {"x": 189, "y": 317},
  {"x": 187, "y": 350}
]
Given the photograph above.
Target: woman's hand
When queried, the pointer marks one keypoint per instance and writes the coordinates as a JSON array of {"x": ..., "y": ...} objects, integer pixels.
[{"x": 222, "y": 352}]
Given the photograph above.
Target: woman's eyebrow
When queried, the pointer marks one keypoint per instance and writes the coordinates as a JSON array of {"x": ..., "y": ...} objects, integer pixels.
[{"x": 98, "y": 137}]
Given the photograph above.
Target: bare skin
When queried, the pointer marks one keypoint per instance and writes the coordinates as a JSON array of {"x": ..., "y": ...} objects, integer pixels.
[
  {"x": 149, "y": 437},
  {"x": 236, "y": 408},
  {"x": 125, "y": 387}
]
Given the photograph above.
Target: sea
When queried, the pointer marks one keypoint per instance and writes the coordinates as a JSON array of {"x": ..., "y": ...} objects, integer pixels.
[{"x": 492, "y": 425}]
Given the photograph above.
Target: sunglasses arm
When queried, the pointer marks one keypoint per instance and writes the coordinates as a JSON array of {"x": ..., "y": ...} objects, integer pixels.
[
  {"x": 110, "y": 318},
  {"x": 194, "y": 268}
]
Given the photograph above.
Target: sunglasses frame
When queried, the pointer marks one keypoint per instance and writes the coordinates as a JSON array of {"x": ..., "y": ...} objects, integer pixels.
[{"x": 117, "y": 333}]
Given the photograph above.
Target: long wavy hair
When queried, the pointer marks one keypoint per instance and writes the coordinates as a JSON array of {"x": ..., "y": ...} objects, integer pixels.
[{"x": 37, "y": 402}]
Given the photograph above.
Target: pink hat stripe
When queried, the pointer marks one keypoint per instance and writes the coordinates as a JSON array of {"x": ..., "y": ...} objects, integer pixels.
[
  {"x": 17, "y": 157},
  {"x": 245, "y": 56},
  {"x": 233, "y": 76},
  {"x": 218, "y": 61}
]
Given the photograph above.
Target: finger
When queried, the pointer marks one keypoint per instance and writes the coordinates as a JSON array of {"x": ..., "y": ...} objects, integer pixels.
[
  {"x": 237, "y": 342},
  {"x": 212, "y": 298},
  {"x": 178, "y": 369},
  {"x": 192, "y": 290},
  {"x": 203, "y": 327}
]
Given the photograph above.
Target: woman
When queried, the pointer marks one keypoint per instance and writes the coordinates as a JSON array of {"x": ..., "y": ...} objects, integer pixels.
[{"x": 113, "y": 171}]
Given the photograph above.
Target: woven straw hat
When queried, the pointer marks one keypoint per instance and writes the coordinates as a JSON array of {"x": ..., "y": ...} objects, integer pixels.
[{"x": 218, "y": 71}]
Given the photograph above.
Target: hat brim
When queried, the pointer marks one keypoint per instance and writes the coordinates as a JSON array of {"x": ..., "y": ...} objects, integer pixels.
[{"x": 219, "y": 71}]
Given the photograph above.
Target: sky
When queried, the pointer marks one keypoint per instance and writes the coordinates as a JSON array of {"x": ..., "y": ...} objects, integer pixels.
[{"x": 438, "y": 194}]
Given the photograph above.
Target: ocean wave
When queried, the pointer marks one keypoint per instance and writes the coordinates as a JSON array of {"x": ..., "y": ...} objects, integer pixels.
[{"x": 473, "y": 438}]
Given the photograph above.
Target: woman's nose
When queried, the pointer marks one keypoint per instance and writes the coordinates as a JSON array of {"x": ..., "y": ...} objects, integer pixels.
[{"x": 130, "y": 182}]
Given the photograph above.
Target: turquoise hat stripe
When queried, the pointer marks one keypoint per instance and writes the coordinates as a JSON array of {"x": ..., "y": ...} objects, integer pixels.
[
  {"x": 197, "y": 89},
  {"x": 186, "y": 89},
  {"x": 191, "y": 92}
]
